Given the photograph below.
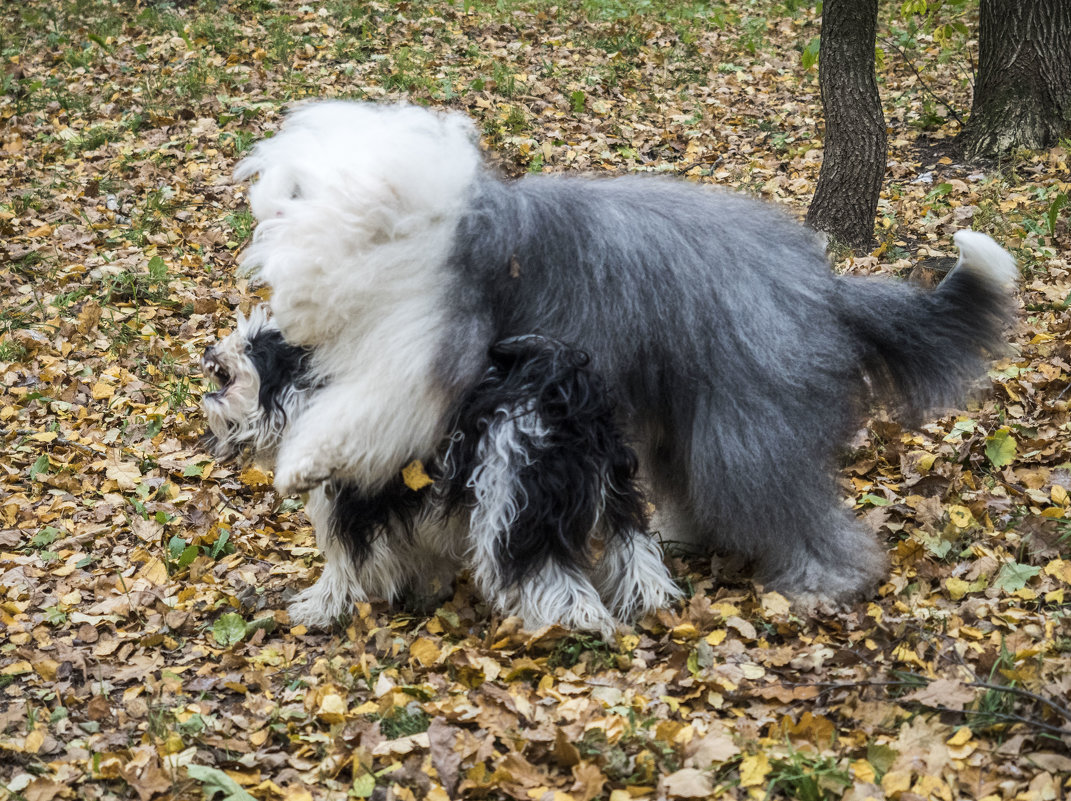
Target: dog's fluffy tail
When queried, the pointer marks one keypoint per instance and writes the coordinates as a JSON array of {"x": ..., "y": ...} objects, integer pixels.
[{"x": 922, "y": 350}]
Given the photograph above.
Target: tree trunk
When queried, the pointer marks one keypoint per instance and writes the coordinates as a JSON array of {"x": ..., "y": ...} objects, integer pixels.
[
  {"x": 853, "y": 164},
  {"x": 1022, "y": 93}
]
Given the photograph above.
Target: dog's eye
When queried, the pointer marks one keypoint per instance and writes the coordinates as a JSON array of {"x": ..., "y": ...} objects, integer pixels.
[{"x": 295, "y": 193}]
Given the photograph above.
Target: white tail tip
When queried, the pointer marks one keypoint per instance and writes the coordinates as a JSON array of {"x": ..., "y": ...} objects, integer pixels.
[{"x": 980, "y": 253}]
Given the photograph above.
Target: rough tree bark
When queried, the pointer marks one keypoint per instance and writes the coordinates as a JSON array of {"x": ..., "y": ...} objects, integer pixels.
[
  {"x": 853, "y": 164},
  {"x": 1022, "y": 93}
]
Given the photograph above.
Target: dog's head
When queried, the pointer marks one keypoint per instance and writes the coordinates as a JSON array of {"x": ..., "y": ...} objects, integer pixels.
[
  {"x": 262, "y": 380},
  {"x": 356, "y": 203}
]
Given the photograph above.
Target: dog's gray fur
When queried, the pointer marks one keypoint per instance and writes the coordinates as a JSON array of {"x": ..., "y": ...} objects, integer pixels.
[{"x": 741, "y": 360}]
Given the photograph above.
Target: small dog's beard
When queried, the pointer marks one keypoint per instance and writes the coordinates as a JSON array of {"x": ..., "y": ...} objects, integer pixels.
[
  {"x": 237, "y": 423},
  {"x": 263, "y": 383}
]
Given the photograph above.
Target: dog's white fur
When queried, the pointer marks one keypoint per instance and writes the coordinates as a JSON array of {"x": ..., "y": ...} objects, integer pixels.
[{"x": 356, "y": 206}]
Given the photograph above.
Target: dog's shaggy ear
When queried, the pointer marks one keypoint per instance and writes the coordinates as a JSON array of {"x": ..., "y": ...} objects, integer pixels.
[{"x": 282, "y": 368}]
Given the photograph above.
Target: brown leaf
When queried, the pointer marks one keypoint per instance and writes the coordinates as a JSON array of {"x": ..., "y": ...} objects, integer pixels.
[
  {"x": 686, "y": 783},
  {"x": 447, "y": 763},
  {"x": 943, "y": 693},
  {"x": 564, "y": 752},
  {"x": 589, "y": 781}
]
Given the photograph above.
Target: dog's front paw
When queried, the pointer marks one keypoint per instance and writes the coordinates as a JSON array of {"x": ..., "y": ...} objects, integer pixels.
[
  {"x": 316, "y": 608},
  {"x": 300, "y": 476}
]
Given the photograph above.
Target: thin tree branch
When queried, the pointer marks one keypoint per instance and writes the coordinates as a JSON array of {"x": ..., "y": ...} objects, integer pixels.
[
  {"x": 1063, "y": 711},
  {"x": 922, "y": 82},
  {"x": 922, "y": 681}
]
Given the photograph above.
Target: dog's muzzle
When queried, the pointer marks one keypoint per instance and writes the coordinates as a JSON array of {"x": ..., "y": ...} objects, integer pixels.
[{"x": 214, "y": 369}]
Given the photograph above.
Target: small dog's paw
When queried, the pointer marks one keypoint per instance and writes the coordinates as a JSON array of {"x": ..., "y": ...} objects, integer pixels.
[
  {"x": 300, "y": 476},
  {"x": 316, "y": 609}
]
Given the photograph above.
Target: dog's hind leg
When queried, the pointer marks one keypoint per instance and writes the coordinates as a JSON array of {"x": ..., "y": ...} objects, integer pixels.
[
  {"x": 761, "y": 491},
  {"x": 823, "y": 559},
  {"x": 519, "y": 562},
  {"x": 631, "y": 577},
  {"x": 790, "y": 526}
]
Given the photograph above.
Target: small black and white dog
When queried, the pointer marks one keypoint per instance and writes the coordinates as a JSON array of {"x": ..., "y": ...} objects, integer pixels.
[
  {"x": 533, "y": 474},
  {"x": 739, "y": 362}
]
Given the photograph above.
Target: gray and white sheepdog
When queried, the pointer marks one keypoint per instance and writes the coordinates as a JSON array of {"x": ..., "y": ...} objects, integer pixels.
[{"x": 738, "y": 362}]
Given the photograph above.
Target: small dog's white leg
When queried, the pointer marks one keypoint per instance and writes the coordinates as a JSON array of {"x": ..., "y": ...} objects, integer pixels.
[
  {"x": 632, "y": 578},
  {"x": 330, "y": 598},
  {"x": 381, "y": 575},
  {"x": 558, "y": 595}
]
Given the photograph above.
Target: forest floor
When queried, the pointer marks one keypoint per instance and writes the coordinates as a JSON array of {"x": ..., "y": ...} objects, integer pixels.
[{"x": 145, "y": 650}]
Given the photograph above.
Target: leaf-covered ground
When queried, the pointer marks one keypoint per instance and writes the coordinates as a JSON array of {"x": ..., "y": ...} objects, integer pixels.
[{"x": 145, "y": 650}]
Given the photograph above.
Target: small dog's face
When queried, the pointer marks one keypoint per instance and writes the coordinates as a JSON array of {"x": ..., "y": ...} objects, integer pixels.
[{"x": 261, "y": 384}]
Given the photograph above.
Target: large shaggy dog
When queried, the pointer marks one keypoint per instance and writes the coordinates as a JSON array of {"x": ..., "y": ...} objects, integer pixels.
[
  {"x": 533, "y": 473},
  {"x": 739, "y": 362}
]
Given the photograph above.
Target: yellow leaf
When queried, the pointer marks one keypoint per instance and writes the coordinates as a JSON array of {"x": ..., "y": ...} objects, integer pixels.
[
  {"x": 863, "y": 771},
  {"x": 896, "y": 781},
  {"x": 44, "y": 436},
  {"x": 753, "y": 770},
  {"x": 16, "y": 668},
  {"x": 44, "y": 230},
  {"x": 685, "y": 631},
  {"x": 424, "y": 651},
  {"x": 252, "y": 476},
  {"x": 46, "y": 669},
  {"x": 332, "y": 709},
  {"x": 961, "y": 737},
  {"x": 1059, "y": 495},
  {"x": 957, "y": 588},
  {"x": 716, "y": 637},
  {"x": 154, "y": 572},
  {"x": 414, "y": 476},
  {"x": 102, "y": 390},
  {"x": 1058, "y": 569},
  {"x": 258, "y": 738},
  {"x": 961, "y": 516},
  {"x": 627, "y": 642},
  {"x": 932, "y": 787},
  {"x": 33, "y": 742}
]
